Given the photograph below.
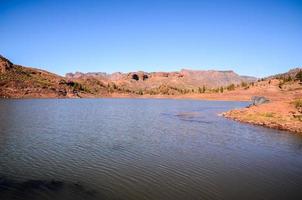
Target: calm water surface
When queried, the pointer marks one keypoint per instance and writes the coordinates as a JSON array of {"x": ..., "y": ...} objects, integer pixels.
[{"x": 142, "y": 149}]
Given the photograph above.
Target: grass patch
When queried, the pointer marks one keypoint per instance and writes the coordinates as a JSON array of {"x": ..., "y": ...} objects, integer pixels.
[
  {"x": 269, "y": 114},
  {"x": 297, "y": 103}
]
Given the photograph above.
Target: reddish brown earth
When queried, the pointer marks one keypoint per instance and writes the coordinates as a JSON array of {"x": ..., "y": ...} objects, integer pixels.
[
  {"x": 24, "y": 82},
  {"x": 280, "y": 113},
  {"x": 277, "y": 114},
  {"x": 180, "y": 82}
]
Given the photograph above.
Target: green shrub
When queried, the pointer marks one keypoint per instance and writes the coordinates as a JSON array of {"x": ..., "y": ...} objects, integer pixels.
[
  {"x": 203, "y": 89},
  {"x": 297, "y": 103},
  {"x": 299, "y": 76},
  {"x": 243, "y": 84},
  {"x": 231, "y": 87},
  {"x": 269, "y": 114},
  {"x": 221, "y": 89}
]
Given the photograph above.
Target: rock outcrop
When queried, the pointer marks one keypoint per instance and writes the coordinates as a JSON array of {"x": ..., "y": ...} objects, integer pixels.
[{"x": 258, "y": 100}]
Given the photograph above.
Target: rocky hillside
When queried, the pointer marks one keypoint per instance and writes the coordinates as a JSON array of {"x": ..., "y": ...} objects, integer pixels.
[
  {"x": 174, "y": 83},
  {"x": 189, "y": 78},
  {"x": 24, "y": 82},
  {"x": 287, "y": 75},
  {"x": 283, "y": 110}
]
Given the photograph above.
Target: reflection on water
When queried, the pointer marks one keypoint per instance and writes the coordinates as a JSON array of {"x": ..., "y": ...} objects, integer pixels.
[{"x": 142, "y": 149}]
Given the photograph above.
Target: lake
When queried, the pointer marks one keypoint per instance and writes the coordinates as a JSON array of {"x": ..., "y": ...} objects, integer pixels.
[{"x": 142, "y": 149}]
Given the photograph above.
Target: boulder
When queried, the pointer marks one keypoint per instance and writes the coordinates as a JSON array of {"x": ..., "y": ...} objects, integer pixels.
[{"x": 258, "y": 100}]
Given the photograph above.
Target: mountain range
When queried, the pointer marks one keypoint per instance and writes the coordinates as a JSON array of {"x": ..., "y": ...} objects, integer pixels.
[{"x": 17, "y": 81}]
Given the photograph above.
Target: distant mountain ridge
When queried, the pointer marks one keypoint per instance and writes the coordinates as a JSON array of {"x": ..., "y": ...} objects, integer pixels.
[
  {"x": 183, "y": 78},
  {"x": 17, "y": 81}
]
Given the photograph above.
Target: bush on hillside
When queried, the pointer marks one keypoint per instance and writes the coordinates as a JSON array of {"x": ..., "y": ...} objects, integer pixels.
[
  {"x": 231, "y": 87},
  {"x": 299, "y": 76}
]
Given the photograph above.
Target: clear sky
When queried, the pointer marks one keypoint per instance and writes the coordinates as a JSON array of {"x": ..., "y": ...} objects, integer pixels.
[{"x": 256, "y": 38}]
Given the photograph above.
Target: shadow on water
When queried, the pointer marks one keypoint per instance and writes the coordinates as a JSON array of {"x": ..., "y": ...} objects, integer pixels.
[
  {"x": 45, "y": 189},
  {"x": 188, "y": 117}
]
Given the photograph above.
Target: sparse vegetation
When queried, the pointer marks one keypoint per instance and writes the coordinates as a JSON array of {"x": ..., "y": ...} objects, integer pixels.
[
  {"x": 244, "y": 84},
  {"x": 231, "y": 87},
  {"x": 216, "y": 90},
  {"x": 268, "y": 114},
  {"x": 298, "y": 104},
  {"x": 221, "y": 89},
  {"x": 299, "y": 76},
  {"x": 75, "y": 85},
  {"x": 285, "y": 78},
  {"x": 200, "y": 90}
]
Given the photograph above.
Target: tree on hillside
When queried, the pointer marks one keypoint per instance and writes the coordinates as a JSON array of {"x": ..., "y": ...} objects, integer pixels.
[
  {"x": 299, "y": 76},
  {"x": 199, "y": 90},
  {"x": 203, "y": 89},
  {"x": 231, "y": 87},
  {"x": 243, "y": 84},
  {"x": 289, "y": 78}
]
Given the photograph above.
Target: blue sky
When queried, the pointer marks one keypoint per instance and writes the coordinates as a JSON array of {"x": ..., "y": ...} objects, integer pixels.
[{"x": 256, "y": 38}]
